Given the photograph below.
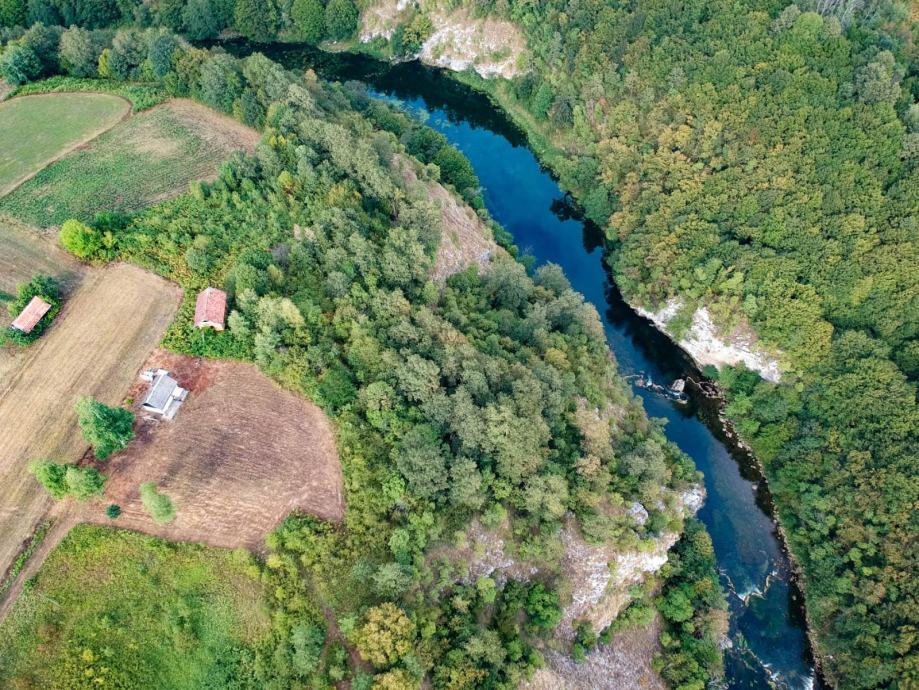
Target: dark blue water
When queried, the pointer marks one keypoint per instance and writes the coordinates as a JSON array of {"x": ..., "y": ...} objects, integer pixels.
[{"x": 766, "y": 628}]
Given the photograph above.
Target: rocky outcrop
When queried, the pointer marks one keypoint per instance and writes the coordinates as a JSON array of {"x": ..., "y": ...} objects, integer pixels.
[
  {"x": 600, "y": 575},
  {"x": 705, "y": 343},
  {"x": 491, "y": 47}
]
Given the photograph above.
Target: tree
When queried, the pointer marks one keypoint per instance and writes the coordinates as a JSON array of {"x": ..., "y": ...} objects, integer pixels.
[
  {"x": 50, "y": 475},
  {"x": 205, "y": 19},
  {"x": 160, "y": 506},
  {"x": 19, "y": 64},
  {"x": 220, "y": 82},
  {"x": 107, "y": 429},
  {"x": 422, "y": 460},
  {"x": 161, "y": 45},
  {"x": 79, "y": 239},
  {"x": 386, "y": 635},
  {"x": 79, "y": 53},
  {"x": 257, "y": 20},
  {"x": 340, "y": 19},
  {"x": 113, "y": 511},
  {"x": 396, "y": 679},
  {"x": 84, "y": 482},
  {"x": 12, "y": 12},
  {"x": 309, "y": 19}
]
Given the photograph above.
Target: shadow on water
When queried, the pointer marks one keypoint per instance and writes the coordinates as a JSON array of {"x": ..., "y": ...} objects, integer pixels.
[{"x": 767, "y": 631}]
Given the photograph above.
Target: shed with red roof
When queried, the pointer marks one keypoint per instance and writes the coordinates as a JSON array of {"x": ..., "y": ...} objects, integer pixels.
[
  {"x": 211, "y": 309},
  {"x": 31, "y": 315}
]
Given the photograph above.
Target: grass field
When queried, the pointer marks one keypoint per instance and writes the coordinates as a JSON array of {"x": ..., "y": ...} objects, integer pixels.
[
  {"x": 241, "y": 454},
  {"x": 149, "y": 157},
  {"x": 116, "y": 609},
  {"x": 37, "y": 129},
  {"x": 105, "y": 331}
]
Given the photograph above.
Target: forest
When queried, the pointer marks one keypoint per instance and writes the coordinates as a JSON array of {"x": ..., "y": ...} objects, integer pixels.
[
  {"x": 760, "y": 159},
  {"x": 490, "y": 399}
]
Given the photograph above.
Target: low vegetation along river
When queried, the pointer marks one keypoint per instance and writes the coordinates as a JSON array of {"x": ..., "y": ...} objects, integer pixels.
[{"x": 769, "y": 643}]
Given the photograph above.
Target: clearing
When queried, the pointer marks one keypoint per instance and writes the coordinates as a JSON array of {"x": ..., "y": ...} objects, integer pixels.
[
  {"x": 112, "y": 608},
  {"x": 240, "y": 456},
  {"x": 38, "y": 129},
  {"x": 105, "y": 331},
  {"x": 147, "y": 158}
]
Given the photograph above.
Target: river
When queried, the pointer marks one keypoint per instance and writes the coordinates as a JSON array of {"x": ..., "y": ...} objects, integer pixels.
[{"x": 767, "y": 630}]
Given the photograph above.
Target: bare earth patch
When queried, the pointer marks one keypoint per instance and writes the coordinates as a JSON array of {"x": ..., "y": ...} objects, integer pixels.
[
  {"x": 103, "y": 334},
  {"x": 240, "y": 455}
]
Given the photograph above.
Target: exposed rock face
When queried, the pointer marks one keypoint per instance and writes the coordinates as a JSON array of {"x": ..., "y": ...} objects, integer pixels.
[
  {"x": 460, "y": 41},
  {"x": 600, "y": 576},
  {"x": 706, "y": 345}
]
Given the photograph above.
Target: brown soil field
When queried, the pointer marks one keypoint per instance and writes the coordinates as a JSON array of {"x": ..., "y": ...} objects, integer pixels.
[
  {"x": 105, "y": 331},
  {"x": 241, "y": 454}
]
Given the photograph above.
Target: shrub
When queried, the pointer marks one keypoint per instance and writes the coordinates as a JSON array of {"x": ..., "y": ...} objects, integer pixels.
[
  {"x": 113, "y": 511},
  {"x": 159, "y": 505},
  {"x": 106, "y": 429}
]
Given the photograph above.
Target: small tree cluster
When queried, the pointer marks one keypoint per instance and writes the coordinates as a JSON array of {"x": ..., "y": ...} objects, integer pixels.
[{"x": 62, "y": 480}]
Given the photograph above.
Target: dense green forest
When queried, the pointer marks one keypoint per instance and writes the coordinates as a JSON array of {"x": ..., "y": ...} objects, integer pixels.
[
  {"x": 761, "y": 159},
  {"x": 493, "y": 396}
]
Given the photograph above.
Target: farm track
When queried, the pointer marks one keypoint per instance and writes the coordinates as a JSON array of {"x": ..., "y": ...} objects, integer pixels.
[{"x": 104, "y": 333}]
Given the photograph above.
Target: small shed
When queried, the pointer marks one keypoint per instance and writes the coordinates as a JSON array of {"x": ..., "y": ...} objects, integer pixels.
[
  {"x": 211, "y": 309},
  {"x": 165, "y": 395},
  {"x": 31, "y": 315}
]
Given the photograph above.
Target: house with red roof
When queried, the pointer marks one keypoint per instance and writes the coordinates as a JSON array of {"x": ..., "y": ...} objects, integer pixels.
[
  {"x": 31, "y": 315},
  {"x": 211, "y": 309}
]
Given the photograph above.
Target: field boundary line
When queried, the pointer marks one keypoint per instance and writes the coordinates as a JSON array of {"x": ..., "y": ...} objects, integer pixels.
[{"x": 16, "y": 184}]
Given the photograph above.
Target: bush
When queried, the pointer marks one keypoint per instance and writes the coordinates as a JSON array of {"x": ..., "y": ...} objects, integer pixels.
[
  {"x": 113, "y": 511},
  {"x": 79, "y": 239},
  {"x": 40, "y": 286},
  {"x": 107, "y": 429},
  {"x": 159, "y": 505}
]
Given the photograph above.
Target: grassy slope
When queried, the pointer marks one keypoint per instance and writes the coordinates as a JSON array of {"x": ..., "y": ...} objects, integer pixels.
[
  {"x": 135, "y": 611},
  {"x": 36, "y": 130},
  {"x": 147, "y": 158}
]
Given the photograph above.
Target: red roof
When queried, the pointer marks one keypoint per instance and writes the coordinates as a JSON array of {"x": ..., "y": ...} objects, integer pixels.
[
  {"x": 31, "y": 315},
  {"x": 210, "y": 308}
]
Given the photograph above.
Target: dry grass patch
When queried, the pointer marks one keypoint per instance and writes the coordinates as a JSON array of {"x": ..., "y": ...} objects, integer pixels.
[
  {"x": 241, "y": 454},
  {"x": 107, "y": 328}
]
